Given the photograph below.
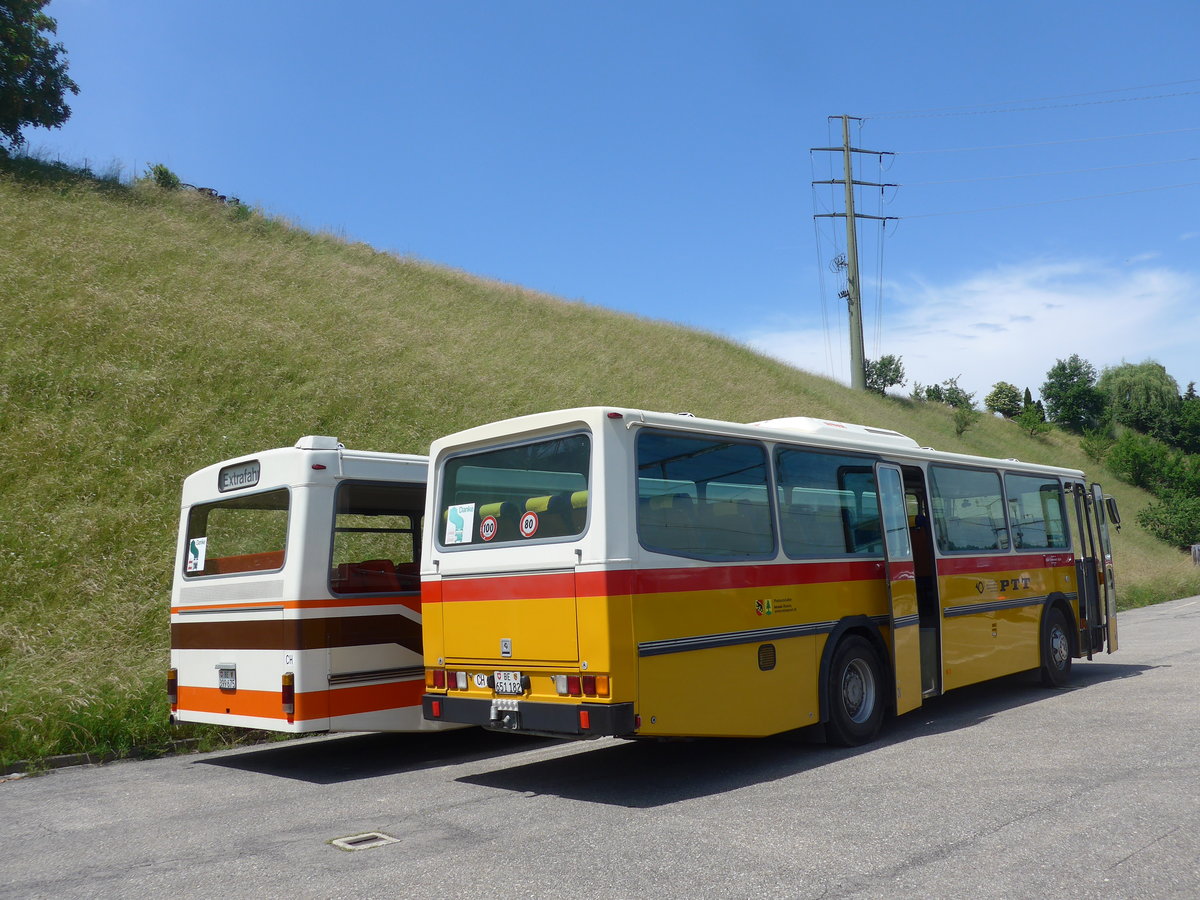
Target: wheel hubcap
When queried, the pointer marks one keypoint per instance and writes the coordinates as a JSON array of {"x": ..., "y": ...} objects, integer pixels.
[
  {"x": 858, "y": 691},
  {"x": 1059, "y": 648}
]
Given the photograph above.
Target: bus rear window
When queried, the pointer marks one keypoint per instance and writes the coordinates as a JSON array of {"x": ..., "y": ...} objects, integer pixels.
[
  {"x": 240, "y": 534},
  {"x": 515, "y": 494}
]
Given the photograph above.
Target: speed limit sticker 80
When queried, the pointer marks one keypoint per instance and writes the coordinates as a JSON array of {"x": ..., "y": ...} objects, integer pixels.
[{"x": 529, "y": 524}]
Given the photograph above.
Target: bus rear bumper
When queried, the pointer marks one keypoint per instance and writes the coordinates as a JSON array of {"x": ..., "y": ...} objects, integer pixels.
[{"x": 566, "y": 720}]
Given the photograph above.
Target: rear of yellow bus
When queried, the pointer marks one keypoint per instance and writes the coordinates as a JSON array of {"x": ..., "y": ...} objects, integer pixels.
[{"x": 521, "y": 596}]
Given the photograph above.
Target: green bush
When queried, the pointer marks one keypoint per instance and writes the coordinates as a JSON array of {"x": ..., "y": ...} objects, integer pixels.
[
  {"x": 1174, "y": 519},
  {"x": 163, "y": 177}
]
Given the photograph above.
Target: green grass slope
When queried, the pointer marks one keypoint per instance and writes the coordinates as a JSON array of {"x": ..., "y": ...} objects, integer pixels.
[{"x": 148, "y": 333}]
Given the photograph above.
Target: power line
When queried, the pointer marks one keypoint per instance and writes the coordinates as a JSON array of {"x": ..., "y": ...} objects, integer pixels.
[
  {"x": 961, "y": 212},
  {"x": 1164, "y": 162},
  {"x": 1111, "y": 137},
  {"x": 985, "y": 108}
]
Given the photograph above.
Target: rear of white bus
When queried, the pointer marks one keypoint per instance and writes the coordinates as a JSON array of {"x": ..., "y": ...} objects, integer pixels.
[{"x": 295, "y": 605}]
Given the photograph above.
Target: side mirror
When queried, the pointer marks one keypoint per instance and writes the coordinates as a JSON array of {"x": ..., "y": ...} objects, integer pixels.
[{"x": 1114, "y": 515}]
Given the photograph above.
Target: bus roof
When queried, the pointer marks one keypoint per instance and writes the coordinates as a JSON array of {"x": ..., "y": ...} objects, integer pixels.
[
  {"x": 313, "y": 459},
  {"x": 812, "y": 432}
]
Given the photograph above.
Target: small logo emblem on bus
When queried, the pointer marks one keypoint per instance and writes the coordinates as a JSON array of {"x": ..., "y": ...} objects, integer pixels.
[{"x": 506, "y": 647}]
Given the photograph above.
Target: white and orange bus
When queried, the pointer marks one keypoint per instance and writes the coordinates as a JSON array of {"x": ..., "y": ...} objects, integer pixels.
[
  {"x": 296, "y": 598},
  {"x": 607, "y": 571}
]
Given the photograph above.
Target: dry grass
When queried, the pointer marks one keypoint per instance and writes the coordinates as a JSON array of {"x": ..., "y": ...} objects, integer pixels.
[{"x": 149, "y": 333}]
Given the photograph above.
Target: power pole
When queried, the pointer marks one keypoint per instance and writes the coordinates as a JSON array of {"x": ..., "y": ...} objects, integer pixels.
[{"x": 853, "y": 292}]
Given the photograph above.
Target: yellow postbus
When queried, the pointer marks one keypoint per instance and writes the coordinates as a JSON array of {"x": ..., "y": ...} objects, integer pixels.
[{"x": 607, "y": 571}]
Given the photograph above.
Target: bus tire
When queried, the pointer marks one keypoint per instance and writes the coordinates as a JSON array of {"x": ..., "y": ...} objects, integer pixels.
[
  {"x": 856, "y": 693},
  {"x": 1056, "y": 649}
]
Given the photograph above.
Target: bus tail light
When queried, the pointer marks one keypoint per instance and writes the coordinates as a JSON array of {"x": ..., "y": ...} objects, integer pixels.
[
  {"x": 582, "y": 685},
  {"x": 436, "y": 679},
  {"x": 288, "y": 693},
  {"x": 456, "y": 681},
  {"x": 173, "y": 687}
]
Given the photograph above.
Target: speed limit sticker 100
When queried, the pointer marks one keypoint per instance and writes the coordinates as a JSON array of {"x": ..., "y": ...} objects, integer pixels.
[{"x": 488, "y": 528}]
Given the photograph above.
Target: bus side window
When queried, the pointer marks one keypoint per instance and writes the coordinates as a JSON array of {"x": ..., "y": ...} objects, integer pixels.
[
  {"x": 971, "y": 508},
  {"x": 376, "y": 538}
]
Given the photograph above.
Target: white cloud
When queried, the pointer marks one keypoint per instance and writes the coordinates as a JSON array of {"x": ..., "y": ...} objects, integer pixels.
[{"x": 1011, "y": 323}]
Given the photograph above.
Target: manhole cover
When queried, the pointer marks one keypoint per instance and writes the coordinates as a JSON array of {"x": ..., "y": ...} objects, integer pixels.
[{"x": 364, "y": 841}]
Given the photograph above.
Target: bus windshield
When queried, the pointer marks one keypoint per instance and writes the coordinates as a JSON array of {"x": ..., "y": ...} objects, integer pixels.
[{"x": 520, "y": 493}]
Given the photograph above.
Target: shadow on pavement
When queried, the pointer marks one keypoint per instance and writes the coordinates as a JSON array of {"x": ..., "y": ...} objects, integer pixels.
[
  {"x": 353, "y": 757},
  {"x": 641, "y": 773},
  {"x": 645, "y": 774}
]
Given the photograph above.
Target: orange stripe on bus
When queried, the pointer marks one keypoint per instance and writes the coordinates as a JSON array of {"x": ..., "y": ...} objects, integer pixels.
[
  {"x": 409, "y": 601},
  {"x": 309, "y": 705}
]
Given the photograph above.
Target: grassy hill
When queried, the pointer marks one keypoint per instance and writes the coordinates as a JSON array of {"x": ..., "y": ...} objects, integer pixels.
[{"x": 147, "y": 333}]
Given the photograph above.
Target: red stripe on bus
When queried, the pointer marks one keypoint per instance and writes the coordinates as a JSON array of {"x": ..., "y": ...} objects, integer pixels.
[
  {"x": 647, "y": 581},
  {"x": 969, "y": 565}
]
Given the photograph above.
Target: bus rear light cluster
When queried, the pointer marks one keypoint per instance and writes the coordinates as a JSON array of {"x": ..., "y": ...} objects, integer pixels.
[
  {"x": 581, "y": 685},
  {"x": 288, "y": 693},
  {"x": 173, "y": 687},
  {"x": 441, "y": 680}
]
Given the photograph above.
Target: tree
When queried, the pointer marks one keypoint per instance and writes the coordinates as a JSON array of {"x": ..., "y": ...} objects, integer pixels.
[
  {"x": 1005, "y": 399},
  {"x": 883, "y": 373},
  {"x": 1031, "y": 421},
  {"x": 1141, "y": 395},
  {"x": 947, "y": 392},
  {"x": 1070, "y": 393},
  {"x": 1175, "y": 520},
  {"x": 33, "y": 71},
  {"x": 964, "y": 418}
]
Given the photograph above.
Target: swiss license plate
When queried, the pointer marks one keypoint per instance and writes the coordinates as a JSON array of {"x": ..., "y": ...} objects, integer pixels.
[
  {"x": 509, "y": 683},
  {"x": 227, "y": 679}
]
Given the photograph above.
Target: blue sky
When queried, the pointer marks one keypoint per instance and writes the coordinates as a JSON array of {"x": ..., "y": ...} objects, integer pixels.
[{"x": 654, "y": 157}]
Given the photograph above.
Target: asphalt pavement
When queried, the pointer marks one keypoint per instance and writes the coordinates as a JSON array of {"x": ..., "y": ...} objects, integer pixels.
[{"x": 1001, "y": 790}]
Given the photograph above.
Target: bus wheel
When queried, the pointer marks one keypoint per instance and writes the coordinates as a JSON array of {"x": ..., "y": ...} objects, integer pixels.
[
  {"x": 855, "y": 693},
  {"x": 1056, "y": 650}
]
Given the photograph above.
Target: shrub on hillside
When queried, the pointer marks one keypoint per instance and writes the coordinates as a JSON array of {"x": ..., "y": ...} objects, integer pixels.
[
  {"x": 1175, "y": 519},
  {"x": 163, "y": 177}
]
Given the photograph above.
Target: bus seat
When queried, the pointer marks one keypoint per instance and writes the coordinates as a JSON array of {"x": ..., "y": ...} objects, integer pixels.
[
  {"x": 813, "y": 531},
  {"x": 668, "y": 521},
  {"x": 554, "y": 512},
  {"x": 373, "y": 576},
  {"x": 507, "y": 515},
  {"x": 730, "y": 526},
  {"x": 579, "y": 504},
  {"x": 247, "y": 562}
]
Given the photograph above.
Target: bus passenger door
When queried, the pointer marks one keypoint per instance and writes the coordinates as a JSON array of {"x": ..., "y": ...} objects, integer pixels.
[
  {"x": 1105, "y": 564},
  {"x": 902, "y": 587},
  {"x": 1093, "y": 572}
]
